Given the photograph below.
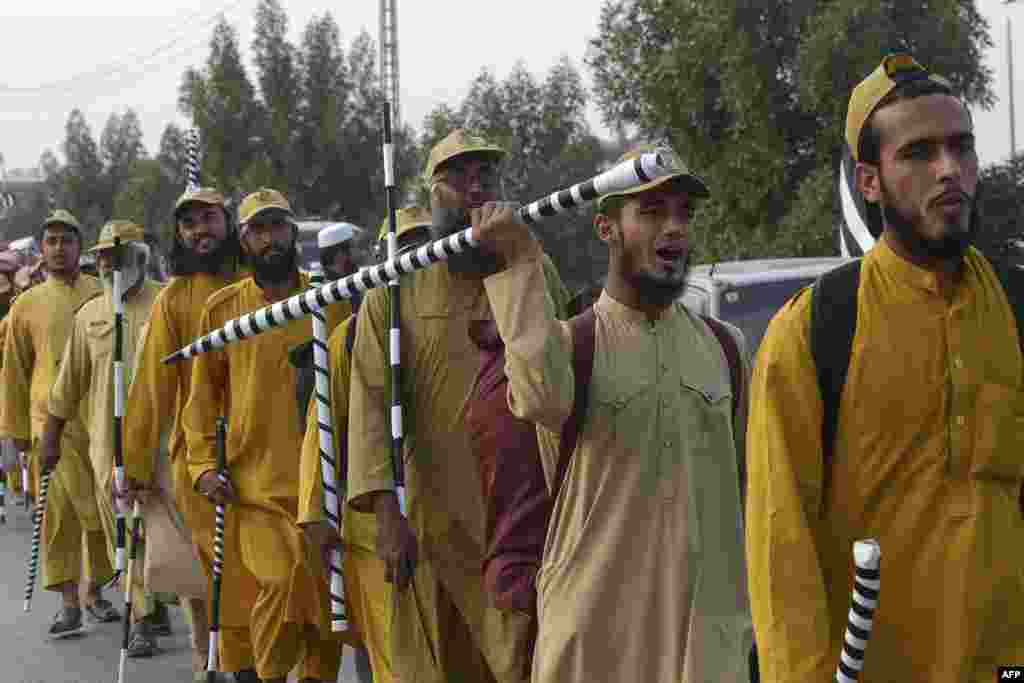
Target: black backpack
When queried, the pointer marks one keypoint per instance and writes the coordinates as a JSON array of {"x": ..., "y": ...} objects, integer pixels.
[{"x": 834, "y": 322}]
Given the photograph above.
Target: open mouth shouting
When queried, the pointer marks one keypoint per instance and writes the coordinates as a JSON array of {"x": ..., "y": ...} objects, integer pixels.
[
  {"x": 952, "y": 203},
  {"x": 670, "y": 256}
]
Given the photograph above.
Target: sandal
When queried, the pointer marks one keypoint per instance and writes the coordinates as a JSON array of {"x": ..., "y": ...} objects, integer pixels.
[
  {"x": 141, "y": 644},
  {"x": 103, "y": 612},
  {"x": 67, "y": 622}
]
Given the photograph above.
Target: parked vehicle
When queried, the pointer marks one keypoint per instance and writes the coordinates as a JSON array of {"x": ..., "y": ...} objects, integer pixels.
[{"x": 749, "y": 293}]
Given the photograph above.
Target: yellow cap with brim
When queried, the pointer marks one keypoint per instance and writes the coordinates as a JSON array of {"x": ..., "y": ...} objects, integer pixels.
[
  {"x": 407, "y": 220},
  {"x": 458, "y": 143},
  {"x": 63, "y": 217},
  {"x": 126, "y": 231},
  {"x": 261, "y": 201},
  {"x": 202, "y": 195},
  {"x": 894, "y": 70},
  {"x": 680, "y": 173}
]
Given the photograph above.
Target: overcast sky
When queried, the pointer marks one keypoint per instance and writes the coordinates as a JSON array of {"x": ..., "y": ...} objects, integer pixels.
[{"x": 108, "y": 55}]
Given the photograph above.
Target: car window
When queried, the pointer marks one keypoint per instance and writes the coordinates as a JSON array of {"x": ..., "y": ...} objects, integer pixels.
[{"x": 751, "y": 307}]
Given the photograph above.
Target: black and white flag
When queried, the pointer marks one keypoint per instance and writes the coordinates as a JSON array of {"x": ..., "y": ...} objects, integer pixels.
[{"x": 855, "y": 238}]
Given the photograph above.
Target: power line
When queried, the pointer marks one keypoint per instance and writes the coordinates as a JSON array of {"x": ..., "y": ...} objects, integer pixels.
[{"x": 104, "y": 72}]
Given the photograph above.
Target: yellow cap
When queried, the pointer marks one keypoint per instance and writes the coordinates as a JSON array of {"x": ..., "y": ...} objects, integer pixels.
[
  {"x": 202, "y": 195},
  {"x": 407, "y": 220},
  {"x": 694, "y": 185},
  {"x": 125, "y": 230},
  {"x": 457, "y": 143},
  {"x": 63, "y": 217},
  {"x": 894, "y": 70},
  {"x": 262, "y": 200}
]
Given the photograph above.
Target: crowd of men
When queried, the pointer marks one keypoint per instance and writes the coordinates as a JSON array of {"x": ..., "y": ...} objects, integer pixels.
[{"x": 704, "y": 501}]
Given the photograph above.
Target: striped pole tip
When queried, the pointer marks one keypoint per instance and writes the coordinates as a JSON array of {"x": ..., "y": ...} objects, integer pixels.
[{"x": 867, "y": 558}]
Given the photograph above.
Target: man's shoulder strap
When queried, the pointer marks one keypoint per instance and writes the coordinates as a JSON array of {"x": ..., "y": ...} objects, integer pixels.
[
  {"x": 732, "y": 356},
  {"x": 350, "y": 335},
  {"x": 583, "y": 328},
  {"x": 1012, "y": 279},
  {"x": 833, "y": 324}
]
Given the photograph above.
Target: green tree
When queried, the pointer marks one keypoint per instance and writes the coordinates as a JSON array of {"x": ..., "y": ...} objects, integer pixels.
[
  {"x": 277, "y": 71},
  {"x": 325, "y": 89},
  {"x": 83, "y": 190},
  {"x": 147, "y": 197},
  {"x": 358, "y": 182},
  {"x": 542, "y": 125},
  {"x": 754, "y": 96},
  {"x": 173, "y": 156},
  {"x": 1001, "y": 205},
  {"x": 221, "y": 102},
  {"x": 120, "y": 147}
]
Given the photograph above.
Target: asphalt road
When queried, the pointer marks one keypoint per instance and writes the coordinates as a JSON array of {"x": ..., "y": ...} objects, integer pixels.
[{"x": 26, "y": 656}]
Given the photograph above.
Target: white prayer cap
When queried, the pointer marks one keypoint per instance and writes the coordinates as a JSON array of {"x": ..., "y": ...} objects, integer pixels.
[{"x": 337, "y": 233}]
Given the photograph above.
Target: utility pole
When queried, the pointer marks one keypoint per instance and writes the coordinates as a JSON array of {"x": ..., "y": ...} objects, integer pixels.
[
  {"x": 389, "y": 82},
  {"x": 1009, "y": 69}
]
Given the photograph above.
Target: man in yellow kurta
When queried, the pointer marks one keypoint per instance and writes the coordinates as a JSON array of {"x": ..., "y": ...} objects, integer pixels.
[
  {"x": 8, "y": 457},
  {"x": 444, "y": 628},
  {"x": 10, "y": 264},
  {"x": 252, "y": 383},
  {"x": 40, "y": 322},
  {"x": 203, "y": 259},
  {"x": 928, "y": 454},
  {"x": 643, "y": 572},
  {"x": 367, "y": 594},
  {"x": 86, "y": 376}
]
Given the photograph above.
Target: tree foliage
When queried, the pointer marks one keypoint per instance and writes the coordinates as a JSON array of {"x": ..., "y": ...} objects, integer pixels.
[
  {"x": 542, "y": 125},
  {"x": 221, "y": 102},
  {"x": 753, "y": 95},
  {"x": 1001, "y": 206}
]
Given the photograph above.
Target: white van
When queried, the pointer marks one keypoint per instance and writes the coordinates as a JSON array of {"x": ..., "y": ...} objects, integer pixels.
[{"x": 749, "y": 293}]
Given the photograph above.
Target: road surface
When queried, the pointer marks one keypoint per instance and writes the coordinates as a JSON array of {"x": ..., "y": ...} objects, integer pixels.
[{"x": 27, "y": 657}]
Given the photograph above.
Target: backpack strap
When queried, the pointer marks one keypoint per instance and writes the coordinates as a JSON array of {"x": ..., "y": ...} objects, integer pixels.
[
  {"x": 833, "y": 323},
  {"x": 350, "y": 336},
  {"x": 1012, "y": 279},
  {"x": 583, "y": 328},
  {"x": 732, "y": 357}
]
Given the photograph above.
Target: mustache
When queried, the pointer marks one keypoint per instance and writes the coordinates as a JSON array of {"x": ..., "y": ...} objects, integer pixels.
[{"x": 952, "y": 195}]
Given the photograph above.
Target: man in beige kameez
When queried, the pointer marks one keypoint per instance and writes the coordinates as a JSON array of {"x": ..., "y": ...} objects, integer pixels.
[
  {"x": 643, "y": 577},
  {"x": 443, "y": 627},
  {"x": 86, "y": 378}
]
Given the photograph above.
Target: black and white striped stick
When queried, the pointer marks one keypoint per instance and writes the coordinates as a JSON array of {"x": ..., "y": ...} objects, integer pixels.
[
  {"x": 192, "y": 160},
  {"x": 37, "y": 525},
  {"x": 394, "y": 306},
  {"x": 23, "y": 461},
  {"x": 624, "y": 176},
  {"x": 332, "y": 481},
  {"x": 866, "y": 556},
  {"x": 218, "y": 555},
  {"x": 126, "y": 623},
  {"x": 120, "y": 503}
]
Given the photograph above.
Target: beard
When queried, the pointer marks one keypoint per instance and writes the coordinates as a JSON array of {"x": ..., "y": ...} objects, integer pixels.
[
  {"x": 657, "y": 289},
  {"x": 130, "y": 276},
  {"x": 187, "y": 261},
  {"x": 951, "y": 245},
  {"x": 477, "y": 262},
  {"x": 273, "y": 266}
]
